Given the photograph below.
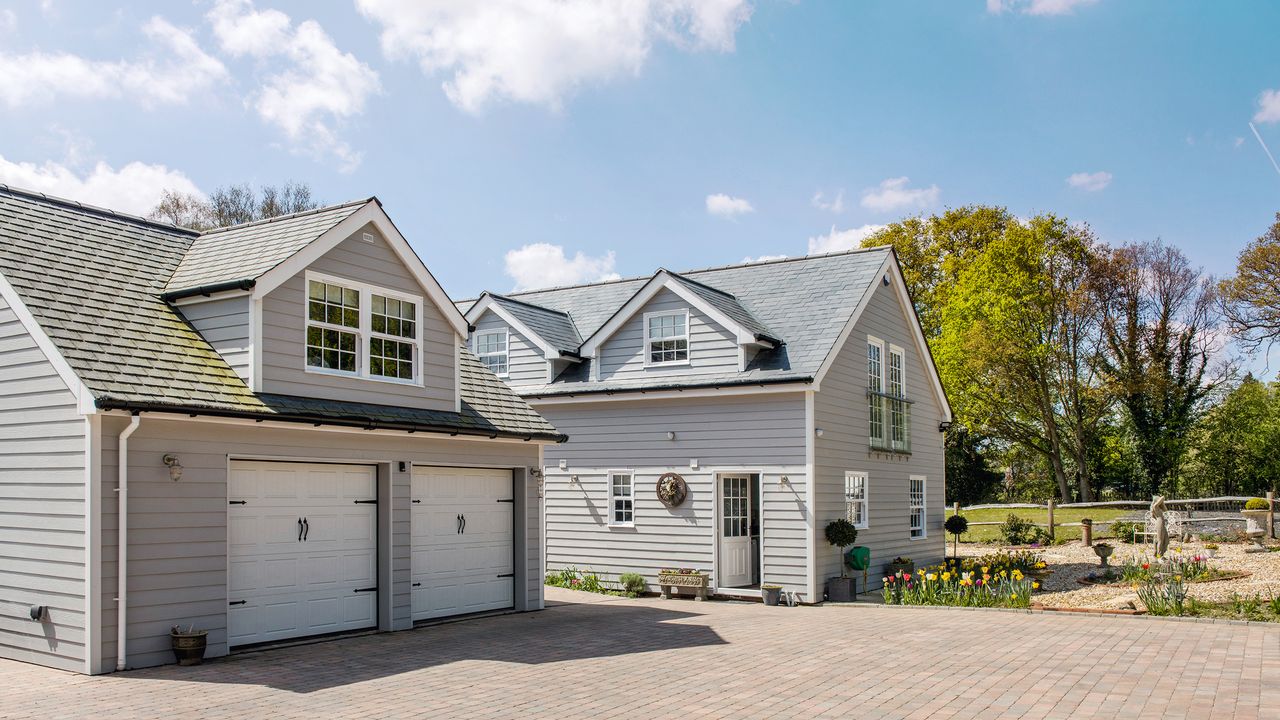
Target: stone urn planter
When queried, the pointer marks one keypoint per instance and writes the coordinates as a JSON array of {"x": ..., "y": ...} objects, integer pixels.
[
  {"x": 1255, "y": 522},
  {"x": 1103, "y": 551},
  {"x": 771, "y": 594},
  {"x": 670, "y": 582},
  {"x": 188, "y": 645}
]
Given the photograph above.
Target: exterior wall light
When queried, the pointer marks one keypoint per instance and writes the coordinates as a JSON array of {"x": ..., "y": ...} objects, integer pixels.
[
  {"x": 564, "y": 464},
  {"x": 944, "y": 426},
  {"x": 818, "y": 432},
  {"x": 671, "y": 434},
  {"x": 175, "y": 467}
]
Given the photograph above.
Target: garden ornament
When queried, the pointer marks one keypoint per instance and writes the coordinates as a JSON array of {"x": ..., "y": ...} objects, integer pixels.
[{"x": 1158, "y": 525}]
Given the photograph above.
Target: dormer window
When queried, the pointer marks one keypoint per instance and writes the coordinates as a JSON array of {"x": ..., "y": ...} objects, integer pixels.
[
  {"x": 666, "y": 338},
  {"x": 491, "y": 348},
  {"x": 362, "y": 331}
]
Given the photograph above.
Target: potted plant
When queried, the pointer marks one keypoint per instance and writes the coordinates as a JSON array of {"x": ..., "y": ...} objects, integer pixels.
[
  {"x": 957, "y": 525},
  {"x": 1211, "y": 550},
  {"x": 771, "y": 594},
  {"x": 841, "y": 533},
  {"x": 188, "y": 645},
  {"x": 1255, "y": 513},
  {"x": 1103, "y": 551},
  {"x": 900, "y": 564}
]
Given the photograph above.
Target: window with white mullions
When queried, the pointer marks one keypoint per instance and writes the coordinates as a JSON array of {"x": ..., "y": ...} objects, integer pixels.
[
  {"x": 621, "y": 499},
  {"x": 333, "y": 323},
  {"x": 391, "y": 319},
  {"x": 666, "y": 338},
  {"x": 899, "y": 408},
  {"x": 491, "y": 348},
  {"x": 917, "y": 506},
  {"x": 875, "y": 392},
  {"x": 857, "y": 508},
  {"x": 735, "y": 512}
]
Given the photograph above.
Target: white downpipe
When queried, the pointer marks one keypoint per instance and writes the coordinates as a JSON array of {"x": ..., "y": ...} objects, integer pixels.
[{"x": 122, "y": 539}]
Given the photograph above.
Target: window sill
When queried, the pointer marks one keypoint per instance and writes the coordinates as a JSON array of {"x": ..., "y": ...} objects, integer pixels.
[
  {"x": 621, "y": 526},
  {"x": 918, "y": 537},
  {"x": 673, "y": 363},
  {"x": 358, "y": 376}
]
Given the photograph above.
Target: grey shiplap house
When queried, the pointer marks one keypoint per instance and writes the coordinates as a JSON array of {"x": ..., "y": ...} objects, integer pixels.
[
  {"x": 268, "y": 432},
  {"x": 783, "y": 394}
]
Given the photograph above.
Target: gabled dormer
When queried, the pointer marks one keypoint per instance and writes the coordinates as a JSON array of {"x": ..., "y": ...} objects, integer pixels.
[
  {"x": 673, "y": 324},
  {"x": 521, "y": 342},
  {"x": 330, "y": 304}
]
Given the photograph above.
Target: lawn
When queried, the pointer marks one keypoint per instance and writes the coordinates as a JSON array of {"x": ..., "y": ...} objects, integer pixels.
[{"x": 990, "y": 533}]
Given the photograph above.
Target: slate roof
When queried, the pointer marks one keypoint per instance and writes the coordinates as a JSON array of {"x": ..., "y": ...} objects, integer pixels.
[
  {"x": 554, "y": 326},
  {"x": 804, "y": 303},
  {"x": 728, "y": 304},
  {"x": 245, "y": 252},
  {"x": 93, "y": 279}
]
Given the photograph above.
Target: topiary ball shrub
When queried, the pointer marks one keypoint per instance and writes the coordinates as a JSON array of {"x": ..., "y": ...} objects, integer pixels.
[
  {"x": 1257, "y": 504},
  {"x": 841, "y": 533},
  {"x": 956, "y": 525}
]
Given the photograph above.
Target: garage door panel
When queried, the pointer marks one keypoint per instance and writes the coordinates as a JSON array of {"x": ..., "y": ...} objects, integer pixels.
[
  {"x": 458, "y": 572},
  {"x": 286, "y": 586}
]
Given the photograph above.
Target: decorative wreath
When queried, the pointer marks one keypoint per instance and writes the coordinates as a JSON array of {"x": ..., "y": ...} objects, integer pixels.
[{"x": 672, "y": 490}]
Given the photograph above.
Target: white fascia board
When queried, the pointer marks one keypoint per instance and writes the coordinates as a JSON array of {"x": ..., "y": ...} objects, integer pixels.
[
  {"x": 693, "y": 393},
  {"x": 371, "y": 213},
  {"x": 662, "y": 280},
  {"x": 487, "y": 304},
  {"x": 84, "y": 398},
  {"x": 847, "y": 330}
]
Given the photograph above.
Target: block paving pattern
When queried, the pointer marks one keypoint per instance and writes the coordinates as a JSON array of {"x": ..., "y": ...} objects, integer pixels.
[{"x": 591, "y": 656}]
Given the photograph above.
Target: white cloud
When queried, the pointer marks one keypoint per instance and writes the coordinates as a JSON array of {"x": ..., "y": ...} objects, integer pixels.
[
  {"x": 8, "y": 20},
  {"x": 542, "y": 265},
  {"x": 841, "y": 240},
  {"x": 320, "y": 87},
  {"x": 763, "y": 258},
  {"x": 893, "y": 194},
  {"x": 134, "y": 188},
  {"x": 1090, "y": 182},
  {"x": 176, "y": 71},
  {"x": 836, "y": 205},
  {"x": 1268, "y": 107},
  {"x": 1037, "y": 7},
  {"x": 727, "y": 206},
  {"x": 541, "y": 51}
]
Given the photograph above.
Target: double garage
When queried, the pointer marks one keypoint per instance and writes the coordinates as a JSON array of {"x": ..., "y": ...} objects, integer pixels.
[{"x": 303, "y": 546}]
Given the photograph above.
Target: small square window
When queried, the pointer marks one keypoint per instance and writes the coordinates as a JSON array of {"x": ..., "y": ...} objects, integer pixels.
[{"x": 667, "y": 338}]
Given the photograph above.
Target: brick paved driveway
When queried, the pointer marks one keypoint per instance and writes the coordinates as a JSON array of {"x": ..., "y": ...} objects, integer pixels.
[{"x": 652, "y": 658}]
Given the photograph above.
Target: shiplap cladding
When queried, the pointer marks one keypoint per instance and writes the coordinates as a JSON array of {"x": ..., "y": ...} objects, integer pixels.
[
  {"x": 178, "y": 530},
  {"x": 224, "y": 324},
  {"x": 764, "y": 433},
  {"x": 284, "y": 339},
  {"x": 42, "y": 505},
  {"x": 841, "y": 411},
  {"x": 712, "y": 348},
  {"x": 525, "y": 362}
]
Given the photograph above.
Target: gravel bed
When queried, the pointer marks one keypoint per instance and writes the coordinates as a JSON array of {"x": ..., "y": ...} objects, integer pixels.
[{"x": 1073, "y": 561}]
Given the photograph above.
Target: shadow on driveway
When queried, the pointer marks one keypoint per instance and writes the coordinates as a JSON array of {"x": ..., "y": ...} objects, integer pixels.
[{"x": 562, "y": 632}]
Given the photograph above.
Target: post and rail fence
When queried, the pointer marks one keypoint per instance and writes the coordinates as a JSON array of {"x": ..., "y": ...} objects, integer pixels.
[{"x": 1207, "y": 506}]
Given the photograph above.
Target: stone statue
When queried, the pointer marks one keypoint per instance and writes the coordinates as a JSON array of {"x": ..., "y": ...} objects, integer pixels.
[{"x": 1159, "y": 526}]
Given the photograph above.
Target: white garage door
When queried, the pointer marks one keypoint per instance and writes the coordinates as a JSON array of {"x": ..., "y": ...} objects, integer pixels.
[
  {"x": 302, "y": 550},
  {"x": 462, "y": 541}
]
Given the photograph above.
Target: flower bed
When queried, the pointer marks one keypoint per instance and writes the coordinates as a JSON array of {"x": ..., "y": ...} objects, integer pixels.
[
  {"x": 1141, "y": 569},
  {"x": 982, "y": 586}
]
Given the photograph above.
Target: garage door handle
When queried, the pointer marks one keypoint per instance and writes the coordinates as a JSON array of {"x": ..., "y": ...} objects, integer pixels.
[
  {"x": 237, "y": 602},
  {"x": 510, "y": 500},
  {"x": 372, "y": 589},
  {"x": 306, "y": 529},
  {"x": 416, "y": 501},
  {"x": 299, "y": 529},
  {"x": 366, "y": 502},
  {"x": 417, "y": 584},
  {"x": 238, "y": 502},
  {"x": 510, "y": 575}
]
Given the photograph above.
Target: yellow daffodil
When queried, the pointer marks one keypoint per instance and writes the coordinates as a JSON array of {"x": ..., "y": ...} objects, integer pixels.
[
  {"x": 1035, "y": 586},
  {"x": 985, "y": 569},
  {"x": 930, "y": 577}
]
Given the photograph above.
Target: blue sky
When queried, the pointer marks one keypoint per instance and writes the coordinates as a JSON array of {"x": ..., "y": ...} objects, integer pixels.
[{"x": 659, "y": 132}]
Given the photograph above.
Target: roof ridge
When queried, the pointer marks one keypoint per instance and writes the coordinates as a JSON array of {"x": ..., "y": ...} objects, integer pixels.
[
  {"x": 86, "y": 207},
  {"x": 289, "y": 216},
  {"x": 685, "y": 273},
  {"x": 712, "y": 288},
  {"x": 526, "y": 303}
]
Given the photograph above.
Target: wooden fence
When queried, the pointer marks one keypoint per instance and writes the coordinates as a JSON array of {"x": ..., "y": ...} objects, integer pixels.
[{"x": 1189, "y": 506}]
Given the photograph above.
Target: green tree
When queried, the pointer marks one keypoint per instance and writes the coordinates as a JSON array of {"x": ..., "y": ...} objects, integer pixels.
[
  {"x": 970, "y": 478},
  {"x": 1251, "y": 299},
  {"x": 1159, "y": 333},
  {"x": 1233, "y": 448}
]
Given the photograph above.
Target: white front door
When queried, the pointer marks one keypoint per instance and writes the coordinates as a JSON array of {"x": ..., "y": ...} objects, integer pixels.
[
  {"x": 735, "y": 530},
  {"x": 463, "y": 541},
  {"x": 302, "y": 550}
]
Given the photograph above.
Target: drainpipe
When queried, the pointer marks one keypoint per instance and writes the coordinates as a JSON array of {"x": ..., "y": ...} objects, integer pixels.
[{"x": 122, "y": 538}]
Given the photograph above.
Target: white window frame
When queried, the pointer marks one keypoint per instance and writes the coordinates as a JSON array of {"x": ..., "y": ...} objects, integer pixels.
[
  {"x": 631, "y": 481},
  {"x": 850, "y": 500},
  {"x": 688, "y": 345},
  {"x": 506, "y": 345},
  {"x": 904, "y": 414},
  {"x": 883, "y": 438},
  {"x": 922, "y": 531},
  {"x": 364, "y": 333}
]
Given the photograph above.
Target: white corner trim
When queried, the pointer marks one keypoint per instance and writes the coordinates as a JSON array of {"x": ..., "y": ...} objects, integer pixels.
[
  {"x": 93, "y": 544},
  {"x": 370, "y": 213},
  {"x": 255, "y": 344},
  {"x": 810, "y": 500},
  {"x": 457, "y": 376},
  {"x": 486, "y": 303},
  {"x": 84, "y": 398},
  {"x": 661, "y": 280}
]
